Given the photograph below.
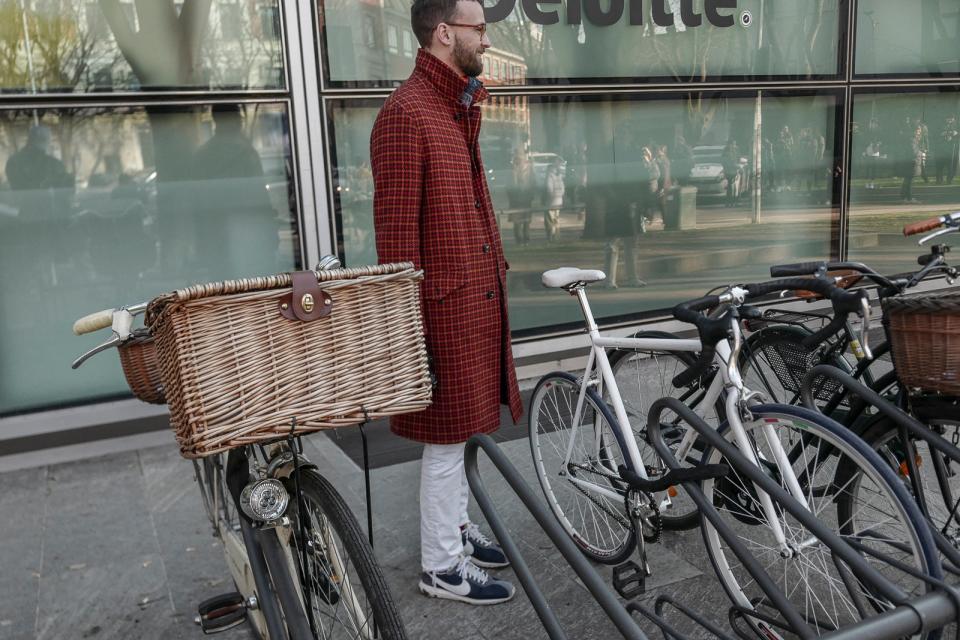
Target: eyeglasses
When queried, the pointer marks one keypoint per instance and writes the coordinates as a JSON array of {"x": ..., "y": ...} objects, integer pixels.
[{"x": 479, "y": 28}]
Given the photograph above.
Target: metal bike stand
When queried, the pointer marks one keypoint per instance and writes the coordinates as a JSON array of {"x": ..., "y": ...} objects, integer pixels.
[
  {"x": 930, "y": 611},
  {"x": 903, "y": 421}
]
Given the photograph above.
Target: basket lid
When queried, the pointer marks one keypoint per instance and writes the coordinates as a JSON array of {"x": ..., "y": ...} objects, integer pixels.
[{"x": 279, "y": 281}]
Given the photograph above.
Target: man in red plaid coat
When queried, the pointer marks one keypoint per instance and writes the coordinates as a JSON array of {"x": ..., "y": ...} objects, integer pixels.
[{"x": 432, "y": 207}]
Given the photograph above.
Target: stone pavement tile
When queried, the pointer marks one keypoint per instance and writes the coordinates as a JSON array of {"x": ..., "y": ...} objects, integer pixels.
[
  {"x": 192, "y": 557},
  {"x": 22, "y": 498},
  {"x": 105, "y": 599}
]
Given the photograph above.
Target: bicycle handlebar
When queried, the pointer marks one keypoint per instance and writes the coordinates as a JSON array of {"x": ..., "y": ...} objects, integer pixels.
[
  {"x": 844, "y": 303},
  {"x": 797, "y": 269},
  {"x": 922, "y": 226},
  {"x": 93, "y": 322},
  {"x": 813, "y": 268},
  {"x": 711, "y": 330}
]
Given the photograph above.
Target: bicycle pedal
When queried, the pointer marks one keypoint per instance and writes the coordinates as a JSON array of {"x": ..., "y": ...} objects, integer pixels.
[
  {"x": 629, "y": 580},
  {"x": 222, "y": 612}
]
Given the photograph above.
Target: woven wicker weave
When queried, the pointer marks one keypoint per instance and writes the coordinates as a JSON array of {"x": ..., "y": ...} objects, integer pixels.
[
  {"x": 237, "y": 372},
  {"x": 924, "y": 335},
  {"x": 138, "y": 357}
]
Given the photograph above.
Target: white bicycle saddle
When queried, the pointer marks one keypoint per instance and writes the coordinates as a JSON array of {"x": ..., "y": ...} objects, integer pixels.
[{"x": 557, "y": 278}]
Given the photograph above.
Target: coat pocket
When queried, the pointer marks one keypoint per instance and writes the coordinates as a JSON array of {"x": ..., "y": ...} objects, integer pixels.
[{"x": 441, "y": 284}]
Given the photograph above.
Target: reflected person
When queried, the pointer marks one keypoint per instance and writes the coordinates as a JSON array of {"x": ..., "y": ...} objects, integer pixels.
[
  {"x": 236, "y": 224},
  {"x": 42, "y": 191}
]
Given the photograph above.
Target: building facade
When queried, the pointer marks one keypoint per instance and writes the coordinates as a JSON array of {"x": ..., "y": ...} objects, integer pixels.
[{"x": 150, "y": 145}]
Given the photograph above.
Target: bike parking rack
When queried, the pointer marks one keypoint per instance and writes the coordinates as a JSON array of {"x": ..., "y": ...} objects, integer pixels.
[
  {"x": 931, "y": 611},
  {"x": 904, "y": 421}
]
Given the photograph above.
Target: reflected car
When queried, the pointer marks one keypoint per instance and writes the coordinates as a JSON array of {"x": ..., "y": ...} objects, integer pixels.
[
  {"x": 708, "y": 176},
  {"x": 541, "y": 162}
]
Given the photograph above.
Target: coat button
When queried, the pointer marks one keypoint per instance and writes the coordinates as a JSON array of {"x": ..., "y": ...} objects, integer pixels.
[
  {"x": 476, "y": 203},
  {"x": 486, "y": 248},
  {"x": 489, "y": 295}
]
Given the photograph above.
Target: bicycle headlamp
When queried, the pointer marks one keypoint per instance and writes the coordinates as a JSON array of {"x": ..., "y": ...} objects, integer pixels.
[{"x": 264, "y": 500}]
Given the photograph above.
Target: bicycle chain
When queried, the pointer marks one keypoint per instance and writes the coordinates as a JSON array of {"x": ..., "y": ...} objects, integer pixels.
[
  {"x": 654, "y": 519},
  {"x": 616, "y": 516}
]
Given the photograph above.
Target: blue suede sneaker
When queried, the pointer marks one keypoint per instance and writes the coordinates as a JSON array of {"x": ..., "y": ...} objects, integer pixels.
[
  {"x": 479, "y": 548},
  {"x": 465, "y": 582}
]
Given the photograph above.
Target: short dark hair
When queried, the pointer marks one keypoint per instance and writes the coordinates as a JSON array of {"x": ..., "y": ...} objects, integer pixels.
[{"x": 425, "y": 15}]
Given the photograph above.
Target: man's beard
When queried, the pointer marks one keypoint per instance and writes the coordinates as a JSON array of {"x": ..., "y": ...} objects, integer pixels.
[{"x": 467, "y": 59}]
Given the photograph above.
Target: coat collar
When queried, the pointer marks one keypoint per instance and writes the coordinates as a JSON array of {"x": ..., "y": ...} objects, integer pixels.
[{"x": 448, "y": 83}]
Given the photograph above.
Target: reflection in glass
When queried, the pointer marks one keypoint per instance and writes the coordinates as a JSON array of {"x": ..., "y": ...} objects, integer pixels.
[
  {"x": 783, "y": 39},
  {"x": 920, "y": 37},
  {"x": 103, "y": 207},
  {"x": 670, "y": 196},
  {"x": 112, "y": 45},
  {"x": 904, "y": 168}
]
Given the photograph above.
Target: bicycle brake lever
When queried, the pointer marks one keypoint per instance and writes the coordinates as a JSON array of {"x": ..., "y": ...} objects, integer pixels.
[
  {"x": 865, "y": 327},
  {"x": 936, "y": 234},
  {"x": 112, "y": 342}
]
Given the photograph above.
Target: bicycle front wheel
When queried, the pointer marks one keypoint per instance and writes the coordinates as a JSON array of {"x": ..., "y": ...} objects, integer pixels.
[
  {"x": 939, "y": 480},
  {"x": 337, "y": 569},
  {"x": 876, "y": 513},
  {"x": 577, "y": 466}
]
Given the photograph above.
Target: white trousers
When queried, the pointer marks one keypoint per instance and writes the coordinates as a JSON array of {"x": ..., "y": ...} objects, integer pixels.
[{"x": 443, "y": 505}]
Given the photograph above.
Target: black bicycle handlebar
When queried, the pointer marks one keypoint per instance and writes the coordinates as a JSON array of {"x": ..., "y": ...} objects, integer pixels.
[
  {"x": 844, "y": 302},
  {"x": 711, "y": 330}
]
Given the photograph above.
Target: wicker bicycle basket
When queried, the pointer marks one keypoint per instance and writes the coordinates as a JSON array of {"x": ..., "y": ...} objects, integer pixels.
[
  {"x": 138, "y": 357},
  {"x": 924, "y": 335},
  {"x": 238, "y": 372}
]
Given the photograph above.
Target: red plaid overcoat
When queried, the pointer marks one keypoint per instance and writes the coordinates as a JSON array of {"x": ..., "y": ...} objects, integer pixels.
[{"x": 431, "y": 206}]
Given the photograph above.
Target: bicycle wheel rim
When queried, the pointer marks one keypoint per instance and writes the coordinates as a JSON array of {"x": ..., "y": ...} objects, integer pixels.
[
  {"x": 810, "y": 578},
  {"x": 599, "y": 526}
]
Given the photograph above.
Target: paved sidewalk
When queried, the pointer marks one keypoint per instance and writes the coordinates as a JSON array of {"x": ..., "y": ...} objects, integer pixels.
[{"x": 119, "y": 547}]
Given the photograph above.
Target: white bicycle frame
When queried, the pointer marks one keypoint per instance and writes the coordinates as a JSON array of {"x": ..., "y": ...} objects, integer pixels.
[{"x": 728, "y": 379}]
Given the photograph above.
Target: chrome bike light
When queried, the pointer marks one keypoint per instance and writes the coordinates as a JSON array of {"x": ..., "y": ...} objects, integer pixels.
[{"x": 264, "y": 500}]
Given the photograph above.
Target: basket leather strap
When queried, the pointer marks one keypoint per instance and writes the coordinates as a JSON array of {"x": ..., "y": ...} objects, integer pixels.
[{"x": 307, "y": 301}]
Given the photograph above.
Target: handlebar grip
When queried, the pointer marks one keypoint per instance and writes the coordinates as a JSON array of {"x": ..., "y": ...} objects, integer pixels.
[
  {"x": 922, "y": 227},
  {"x": 93, "y": 322},
  {"x": 697, "y": 369},
  {"x": 835, "y": 326},
  {"x": 796, "y": 269}
]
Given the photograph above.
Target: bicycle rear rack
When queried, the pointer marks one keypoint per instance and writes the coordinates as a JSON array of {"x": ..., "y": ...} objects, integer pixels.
[{"x": 910, "y": 616}]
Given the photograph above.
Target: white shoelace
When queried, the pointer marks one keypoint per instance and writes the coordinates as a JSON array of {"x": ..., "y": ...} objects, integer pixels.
[
  {"x": 469, "y": 571},
  {"x": 474, "y": 535}
]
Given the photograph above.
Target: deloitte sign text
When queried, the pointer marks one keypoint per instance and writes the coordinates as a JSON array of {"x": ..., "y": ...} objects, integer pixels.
[{"x": 540, "y": 13}]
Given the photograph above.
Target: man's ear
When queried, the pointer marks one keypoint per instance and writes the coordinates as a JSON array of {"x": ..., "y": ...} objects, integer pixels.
[{"x": 444, "y": 35}]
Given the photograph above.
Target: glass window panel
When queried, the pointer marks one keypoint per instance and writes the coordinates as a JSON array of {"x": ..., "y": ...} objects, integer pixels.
[
  {"x": 71, "y": 46},
  {"x": 691, "y": 215},
  {"x": 103, "y": 207},
  {"x": 797, "y": 39},
  {"x": 908, "y": 38},
  {"x": 904, "y": 168}
]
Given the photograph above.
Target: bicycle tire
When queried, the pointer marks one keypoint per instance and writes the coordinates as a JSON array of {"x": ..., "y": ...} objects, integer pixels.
[
  {"x": 644, "y": 376},
  {"x": 555, "y": 397},
  {"x": 741, "y": 508},
  {"x": 325, "y": 506}
]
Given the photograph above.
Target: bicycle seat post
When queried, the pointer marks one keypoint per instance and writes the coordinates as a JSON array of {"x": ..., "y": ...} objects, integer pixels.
[{"x": 579, "y": 290}]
